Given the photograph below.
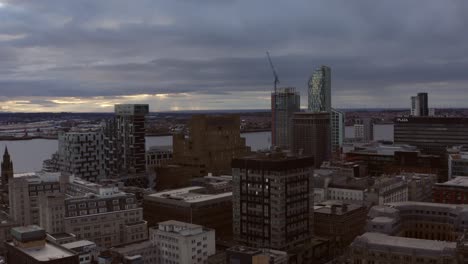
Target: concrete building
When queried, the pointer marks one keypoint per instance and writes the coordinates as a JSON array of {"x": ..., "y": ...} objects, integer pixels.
[
  {"x": 393, "y": 159},
  {"x": 124, "y": 144},
  {"x": 87, "y": 250},
  {"x": 337, "y": 124},
  {"x": 82, "y": 154},
  {"x": 6, "y": 223},
  {"x": 213, "y": 141},
  {"x": 311, "y": 136},
  {"x": 273, "y": 200},
  {"x": 157, "y": 156},
  {"x": 457, "y": 161},
  {"x": 454, "y": 191},
  {"x": 319, "y": 90},
  {"x": 284, "y": 103},
  {"x": 192, "y": 205},
  {"x": 146, "y": 249},
  {"x": 30, "y": 247},
  {"x": 358, "y": 131},
  {"x": 387, "y": 190},
  {"x": 183, "y": 243},
  {"x": 414, "y": 106},
  {"x": 339, "y": 222},
  {"x": 24, "y": 192},
  {"x": 381, "y": 248},
  {"x": 214, "y": 184},
  {"x": 6, "y": 173},
  {"x": 432, "y": 135},
  {"x": 249, "y": 255}
]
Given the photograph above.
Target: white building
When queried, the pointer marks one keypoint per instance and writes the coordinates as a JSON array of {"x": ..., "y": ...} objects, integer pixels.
[
  {"x": 415, "y": 106},
  {"x": 183, "y": 243},
  {"x": 359, "y": 131},
  {"x": 87, "y": 250},
  {"x": 337, "y": 129}
]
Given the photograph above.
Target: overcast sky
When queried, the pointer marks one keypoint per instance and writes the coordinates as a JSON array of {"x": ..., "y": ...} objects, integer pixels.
[{"x": 58, "y": 55}]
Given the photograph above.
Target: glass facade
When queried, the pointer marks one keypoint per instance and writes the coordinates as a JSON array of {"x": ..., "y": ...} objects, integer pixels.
[{"x": 320, "y": 90}]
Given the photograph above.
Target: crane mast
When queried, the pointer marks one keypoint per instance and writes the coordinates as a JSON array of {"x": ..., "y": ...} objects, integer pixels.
[{"x": 276, "y": 81}]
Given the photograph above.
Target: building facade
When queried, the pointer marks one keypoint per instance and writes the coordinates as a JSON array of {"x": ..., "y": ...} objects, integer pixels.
[
  {"x": 82, "y": 154},
  {"x": 454, "y": 191},
  {"x": 273, "y": 200},
  {"x": 337, "y": 124},
  {"x": 183, "y": 243},
  {"x": 284, "y": 103},
  {"x": 195, "y": 205},
  {"x": 319, "y": 90},
  {"x": 311, "y": 136},
  {"x": 431, "y": 135},
  {"x": 213, "y": 141},
  {"x": 457, "y": 161},
  {"x": 6, "y": 173}
]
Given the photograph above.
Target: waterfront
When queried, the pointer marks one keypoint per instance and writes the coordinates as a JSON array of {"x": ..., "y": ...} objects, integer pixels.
[{"x": 28, "y": 155}]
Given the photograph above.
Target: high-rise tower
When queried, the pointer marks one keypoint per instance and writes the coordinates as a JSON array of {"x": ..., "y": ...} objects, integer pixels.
[
  {"x": 7, "y": 172},
  {"x": 320, "y": 90},
  {"x": 284, "y": 103}
]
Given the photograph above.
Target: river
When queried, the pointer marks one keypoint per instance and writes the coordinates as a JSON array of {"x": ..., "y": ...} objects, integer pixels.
[{"x": 27, "y": 155}]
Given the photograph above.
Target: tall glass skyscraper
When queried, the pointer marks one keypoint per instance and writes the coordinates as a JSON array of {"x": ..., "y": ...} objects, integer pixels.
[{"x": 320, "y": 90}]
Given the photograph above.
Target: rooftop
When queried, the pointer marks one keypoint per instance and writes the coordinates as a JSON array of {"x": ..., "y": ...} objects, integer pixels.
[
  {"x": 187, "y": 195},
  {"x": 46, "y": 253},
  {"x": 455, "y": 182},
  {"x": 78, "y": 244},
  {"x": 414, "y": 245}
]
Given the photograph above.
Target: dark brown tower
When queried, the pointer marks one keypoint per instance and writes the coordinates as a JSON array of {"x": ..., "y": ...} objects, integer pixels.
[{"x": 6, "y": 173}]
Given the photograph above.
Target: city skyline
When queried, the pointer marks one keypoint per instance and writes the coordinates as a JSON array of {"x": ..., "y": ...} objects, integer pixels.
[{"x": 59, "y": 56}]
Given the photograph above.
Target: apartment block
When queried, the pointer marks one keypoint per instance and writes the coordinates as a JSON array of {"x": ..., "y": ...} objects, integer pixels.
[{"x": 82, "y": 154}]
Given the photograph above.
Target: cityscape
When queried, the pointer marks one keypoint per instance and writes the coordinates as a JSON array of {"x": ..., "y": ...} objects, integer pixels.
[{"x": 305, "y": 164}]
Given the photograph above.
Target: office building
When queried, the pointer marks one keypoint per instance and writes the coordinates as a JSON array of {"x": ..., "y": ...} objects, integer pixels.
[
  {"x": 273, "y": 200},
  {"x": 319, "y": 89},
  {"x": 82, "y": 154},
  {"x": 146, "y": 249},
  {"x": 157, "y": 156},
  {"x": 87, "y": 250},
  {"x": 311, "y": 136},
  {"x": 24, "y": 192},
  {"x": 390, "y": 159},
  {"x": 6, "y": 223},
  {"x": 249, "y": 255},
  {"x": 97, "y": 212},
  {"x": 382, "y": 248},
  {"x": 183, "y": 243},
  {"x": 124, "y": 144},
  {"x": 423, "y": 104},
  {"x": 454, "y": 191},
  {"x": 29, "y": 246},
  {"x": 431, "y": 135},
  {"x": 337, "y": 125},
  {"x": 457, "y": 162},
  {"x": 358, "y": 131},
  {"x": 6, "y": 174},
  {"x": 415, "y": 109},
  {"x": 339, "y": 222},
  {"x": 192, "y": 205},
  {"x": 284, "y": 103},
  {"x": 212, "y": 142}
]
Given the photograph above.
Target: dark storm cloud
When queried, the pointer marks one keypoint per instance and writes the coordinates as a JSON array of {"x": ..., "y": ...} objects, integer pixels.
[{"x": 110, "y": 48}]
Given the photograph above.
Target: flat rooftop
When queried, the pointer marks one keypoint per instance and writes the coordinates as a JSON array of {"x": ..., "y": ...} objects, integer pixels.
[
  {"x": 46, "y": 253},
  {"x": 187, "y": 195},
  {"x": 455, "y": 182},
  {"x": 78, "y": 244},
  {"x": 405, "y": 244}
]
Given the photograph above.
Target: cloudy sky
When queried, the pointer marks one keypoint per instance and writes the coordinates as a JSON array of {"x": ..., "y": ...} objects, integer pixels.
[{"x": 86, "y": 55}]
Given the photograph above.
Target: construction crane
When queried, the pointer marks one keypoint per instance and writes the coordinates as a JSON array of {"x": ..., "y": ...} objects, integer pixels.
[{"x": 275, "y": 83}]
